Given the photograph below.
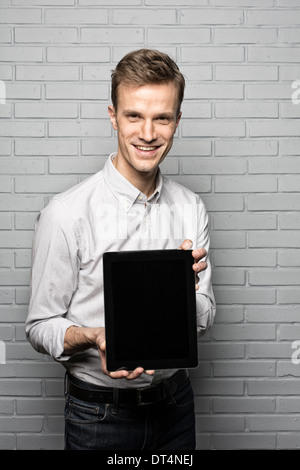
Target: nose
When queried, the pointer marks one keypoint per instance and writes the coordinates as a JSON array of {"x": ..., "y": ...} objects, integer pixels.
[{"x": 147, "y": 131}]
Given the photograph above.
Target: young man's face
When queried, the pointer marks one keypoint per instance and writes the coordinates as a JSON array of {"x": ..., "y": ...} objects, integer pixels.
[{"x": 146, "y": 121}]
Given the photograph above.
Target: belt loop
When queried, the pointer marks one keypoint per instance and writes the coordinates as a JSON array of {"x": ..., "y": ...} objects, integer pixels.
[
  {"x": 65, "y": 383},
  {"x": 116, "y": 401}
]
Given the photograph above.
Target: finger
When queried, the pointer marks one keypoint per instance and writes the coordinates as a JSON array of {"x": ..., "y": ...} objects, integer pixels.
[
  {"x": 186, "y": 245},
  {"x": 199, "y": 254},
  {"x": 135, "y": 374},
  {"x": 198, "y": 267}
]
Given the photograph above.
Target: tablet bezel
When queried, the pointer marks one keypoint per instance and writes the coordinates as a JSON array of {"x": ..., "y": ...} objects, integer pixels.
[{"x": 111, "y": 291}]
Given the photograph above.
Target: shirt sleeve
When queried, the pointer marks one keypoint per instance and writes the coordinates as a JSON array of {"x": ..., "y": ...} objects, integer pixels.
[
  {"x": 54, "y": 274},
  {"x": 205, "y": 300}
]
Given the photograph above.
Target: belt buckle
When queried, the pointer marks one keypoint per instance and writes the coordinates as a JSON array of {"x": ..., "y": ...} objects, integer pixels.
[{"x": 140, "y": 402}]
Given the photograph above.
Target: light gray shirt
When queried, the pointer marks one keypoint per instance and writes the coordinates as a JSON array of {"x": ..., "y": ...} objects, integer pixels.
[{"x": 105, "y": 213}]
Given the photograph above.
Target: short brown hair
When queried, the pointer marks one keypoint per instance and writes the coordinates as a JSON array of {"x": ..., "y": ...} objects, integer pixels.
[{"x": 146, "y": 66}]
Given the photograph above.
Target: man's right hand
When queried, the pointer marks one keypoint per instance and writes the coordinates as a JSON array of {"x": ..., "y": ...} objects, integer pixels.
[{"x": 81, "y": 338}]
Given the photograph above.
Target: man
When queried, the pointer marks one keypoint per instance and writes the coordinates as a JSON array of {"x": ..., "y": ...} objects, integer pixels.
[{"x": 123, "y": 207}]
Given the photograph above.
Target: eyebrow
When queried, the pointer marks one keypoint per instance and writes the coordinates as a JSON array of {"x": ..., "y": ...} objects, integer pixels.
[{"x": 168, "y": 115}]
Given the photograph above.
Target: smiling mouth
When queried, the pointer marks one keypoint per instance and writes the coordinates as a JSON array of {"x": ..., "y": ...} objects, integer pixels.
[{"x": 143, "y": 148}]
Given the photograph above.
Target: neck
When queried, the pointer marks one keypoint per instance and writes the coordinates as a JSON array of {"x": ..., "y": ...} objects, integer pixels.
[{"x": 143, "y": 181}]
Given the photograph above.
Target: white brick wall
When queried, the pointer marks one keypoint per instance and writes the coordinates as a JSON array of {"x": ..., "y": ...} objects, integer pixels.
[{"x": 238, "y": 146}]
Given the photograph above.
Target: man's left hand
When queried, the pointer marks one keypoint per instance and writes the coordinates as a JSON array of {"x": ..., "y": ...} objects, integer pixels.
[{"x": 198, "y": 254}]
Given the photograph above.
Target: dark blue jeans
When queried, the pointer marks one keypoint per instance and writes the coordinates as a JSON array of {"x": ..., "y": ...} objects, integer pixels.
[{"x": 98, "y": 426}]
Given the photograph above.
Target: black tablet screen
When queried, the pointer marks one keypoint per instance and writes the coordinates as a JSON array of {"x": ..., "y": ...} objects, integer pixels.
[{"x": 150, "y": 310}]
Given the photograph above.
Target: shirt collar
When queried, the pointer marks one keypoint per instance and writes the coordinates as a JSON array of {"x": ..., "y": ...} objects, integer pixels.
[{"x": 126, "y": 192}]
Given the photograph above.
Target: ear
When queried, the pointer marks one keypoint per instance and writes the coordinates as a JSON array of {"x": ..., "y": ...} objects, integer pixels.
[
  {"x": 113, "y": 117},
  {"x": 178, "y": 119}
]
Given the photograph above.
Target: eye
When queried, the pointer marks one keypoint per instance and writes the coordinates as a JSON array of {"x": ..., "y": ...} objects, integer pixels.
[
  {"x": 133, "y": 117},
  {"x": 164, "y": 119}
]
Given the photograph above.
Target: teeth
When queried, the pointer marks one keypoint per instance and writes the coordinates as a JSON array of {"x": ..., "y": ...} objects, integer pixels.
[{"x": 145, "y": 148}]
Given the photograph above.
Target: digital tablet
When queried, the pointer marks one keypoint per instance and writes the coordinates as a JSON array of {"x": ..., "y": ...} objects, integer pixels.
[{"x": 150, "y": 309}]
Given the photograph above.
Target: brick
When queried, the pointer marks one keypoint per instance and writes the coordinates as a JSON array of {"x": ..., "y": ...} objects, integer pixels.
[
  {"x": 230, "y": 240},
  {"x": 273, "y": 387},
  {"x": 289, "y": 183},
  {"x": 46, "y": 110},
  {"x": 213, "y": 129},
  {"x": 244, "y": 296},
  {"x": 79, "y": 54},
  {"x": 5, "y": 256},
  {"x": 245, "y": 258},
  {"x": 5, "y": 72},
  {"x": 274, "y": 423},
  {"x": 214, "y": 91},
  {"x": 15, "y": 239},
  {"x": 6, "y": 111},
  {"x": 109, "y": 2},
  {"x": 195, "y": 183},
  {"x": 244, "y": 221},
  {"x": 273, "y": 17},
  {"x": 290, "y": 147},
  {"x": 284, "y": 128},
  {"x": 269, "y": 91},
  {"x": 245, "y": 35},
  {"x": 212, "y": 54},
  {"x": 112, "y": 35},
  {"x": 246, "y": 148},
  {"x": 178, "y": 35},
  {"x": 5, "y": 35},
  {"x": 43, "y": 184},
  {"x": 196, "y": 72},
  {"x": 211, "y": 16},
  {"x": 275, "y": 165},
  {"x": 213, "y": 166},
  {"x": 76, "y": 165},
  {"x": 215, "y": 203},
  {"x": 274, "y": 54},
  {"x": 274, "y": 202},
  {"x": 86, "y": 128},
  {"x": 94, "y": 110},
  {"x": 144, "y": 16},
  {"x": 44, "y": 147},
  {"x": 289, "y": 257},
  {"x": 46, "y": 35},
  {"x": 289, "y": 296},
  {"x": 47, "y": 72},
  {"x": 96, "y": 72},
  {"x": 247, "y": 72},
  {"x": 245, "y": 109},
  {"x": 80, "y": 16},
  {"x": 271, "y": 350},
  {"x": 25, "y": 221},
  {"x": 20, "y": 203},
  {"x": 245, "y": 184},
  {"x": 274, "y": 277},
  {"x": 43, "y": 2},
  {"x": 196, "y": 109},
  {"x": 22, "y": 129},
  {"x": 244, "y": 368},
  {"x": 283, "y": 239},
  {"x": 226, "y": 276},
  {"x": 21, "y": 54},
  {"x": 21, "y": 91},
  {"x": 20, "y": 15},
  {"x": 242, "y": 441},
  {"x": 76, "y": 91}
]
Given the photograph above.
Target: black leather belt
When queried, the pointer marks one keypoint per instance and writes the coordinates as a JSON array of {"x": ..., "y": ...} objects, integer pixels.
[{"x": 137, "y": 396}]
